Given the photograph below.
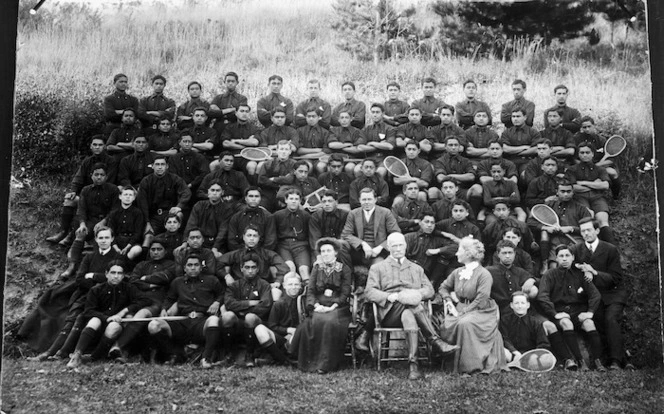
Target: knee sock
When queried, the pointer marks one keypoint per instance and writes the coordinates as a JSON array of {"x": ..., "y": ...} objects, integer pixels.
[
  {"x": 76, "y": 251},
  {"x": 595, "y": 345},
  {"x": 606, "y": 234},
  {"x": 545, "y": 249},
  {"x": 88, "y": 335},
  {"x": 212, "y": 336},
  {"x": 558, "y": 346},
  {"x": 277, "y": 354},
  {"x": 59, "y": 341},
  {"x": 101, "y": 351},
  {"x": 250, "y": 340},
  {"x": 130, "y": 332},
  {"x": 572, "y": 343},
  {"x": 70, "y": 343},
  {"x": 226, "y": 338},
  {"x": 616, "y": 187},
  {"x": 164, "y": 343}
]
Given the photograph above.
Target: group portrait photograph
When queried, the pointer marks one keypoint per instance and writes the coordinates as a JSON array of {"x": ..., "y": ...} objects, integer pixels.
[{"x": 332, "y": 206}]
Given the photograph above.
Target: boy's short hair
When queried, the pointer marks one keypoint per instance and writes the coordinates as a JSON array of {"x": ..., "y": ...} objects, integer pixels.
[
  {"x": 545, "y": 141},
  {"x": 519, "y": 109},
  {"x": 561, "y": 86},
  {"x": 300, "y": 163},
  {"x": 313, "y": 82},
  {"x": 195, "y": 256},
  {"x": 414, "y": 108},
  {"x": 515, "y": 230},
  {"x": 233, "y": 74},
  {"x": 283, "y": 143},
  {"x": 165, "y": 118},
  {"x": 292, "y": 275},
  {"x": 277, "y": 110},
  {"x": 116, "y": 262},
  {"x": 192, "y": 83},
  {"x": 505, "y": 203},
  {"x": 118, "y": 76},
  {"x": 99, "y": 166},
  {"x": 200, "y": 109},
  {"x": 565, "y": 181},
  {"x": 480, "y": 111},
  {"x": 226, "y": 154},
  {"x": 141, "y": 136},
  {"x": 504, "y": 243},
  {"x": 291, "y": 191},
  {"x": 429, "y": 80},
  {"x": 98, "y": 137},
  {"x": 103, "y": 228},
  {"x": 562, "y": 247},
  {"x": 396, "y": 85},
  {"x": 412, "y": 142},
  {"x": 455, "y": 137},
  {"x": 371, "y": 160},
  {"x": 349, "y": 83},
  {"x": 252, "y": 188},
  {"x": 550, "y": 157},
  {"x": 378, "y": 105},
  {"x": 405, "y": 186},
  {"x": 159, "y": 77},
  {"x": 449, "y": 107},
  {"x": 159, "y": 239},
  {"x": 251, "y": 227},
  {"x": 519, "y": 82},
  {"x": 273, "y": 77},
  {"x": 313, "y": 109},
  {"x": 450, "y": 180},
  {"x": 587, "y": 119},
  {"x": 336, "y": 157},
  {"x": 587, "y": 144},
  {"x": 559, "y": 111},
  {"x": 173, "y": 216},
  {"x": 368, "y": 190},
  {"x": 497, "y": 163},
  {"x": 462, "y": 203},
  {"x": 198, "y": 229},
  {"x": 160, "y": 157},
  {"x": 520, "y": 293},
  {"x": 216, "y": 182},
  {"x": 494, "y": 141},
  {"x": 331, "y": 193},
  {"x": 127, "y": 188},
  {"x": 469, "y": 81},
  {"x": 129, "y": 110}
]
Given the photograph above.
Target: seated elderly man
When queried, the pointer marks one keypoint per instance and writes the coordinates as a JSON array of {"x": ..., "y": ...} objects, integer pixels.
[{"x": 398, "y": 286}]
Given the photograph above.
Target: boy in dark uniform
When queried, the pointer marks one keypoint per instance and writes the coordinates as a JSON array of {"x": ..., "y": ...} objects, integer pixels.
[
  {"x": 520, "y": 140},
  {"x": 451, "y": 165},
  {"x": 312, "y": 139},
  {"x": 369, "y": 179},
  {"x": 205, "y": 138},
  {"x": 156, "y": 107},
  {"x": 292, "y": 225},
  {"x": 429, "y": 104},
  {"x": 119, "y": 143},
  {"x": 346, "y": 139},
  {"x": 252, "y": 213},
  {"x": 447, "y": 128},
  {"x": 212, "y": 216},
  {"x": 321, "y": 106},
  {"x": 518, "y": 89},
  {"x": 380, "y": 139},
  {"x": 239, "y": 135},
  {"x": 570, "y": 116},
  {"x": 188, "y": 164},
  {"x": 336, "y": 180},
  {"x": 478, "y": 137},
  {"x": 116, "y": 103},
  {"x": 277, "y": 131},
  {"x": 562, "y": 141},
  {"x": 165, "y": 140},
  {"x": 136, "y": 166},
  {"x": 395, "y": 111},
  {"x": 233, "y": 182},
  {"x": 274, "y": 173},
  {"x": 356, "y": 109},
  {"x": 465, "y": 110},
  {"x": 266, "y": 105},
  {"x": 184, "y": 114},
  {"x": 224, "y": 106},
  {"x": 410, "y": 212},
  {"x": 127, "y": 224},
  {"x": 414, "y": 130}
]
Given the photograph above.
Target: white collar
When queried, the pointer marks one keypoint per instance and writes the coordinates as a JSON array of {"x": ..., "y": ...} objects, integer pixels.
[
  {"x": 593, "y": 246},
  {"x": 103, "y": 252},
  {"x": 467, "y": 271},
  {"x": 367, "y": 214}
]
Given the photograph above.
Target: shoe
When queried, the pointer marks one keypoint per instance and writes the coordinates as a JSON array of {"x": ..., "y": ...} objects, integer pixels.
[
  {"x": 615, "y": 366},
  {"x": 599, "y": 367},
  {"x": 41, "y": 357},
  {"x": 75, "y": 360},
  {"x": 249, "y": 361},
  {"x": 321, "y": 372},
  {"x": 114, "y": 352},
  {"x": 57, "y": 238},
  {"x": 584, "y": 366},
  {"x": 68, "y": 240},
  {"x": 570, "y": 365},
  {"x": 205, "y": 364},
  {"x": 443, "y": 347},
  {"x": 362, "y": 341},
  {"x": 630, "y": 367},
  {"x": 69, "y": 272},
  {"x": 414, "y": 374},
  {"x": 85, "y": 358},
  {"x": 172, "y": 360},
  {"x": 57, "y": 357}
]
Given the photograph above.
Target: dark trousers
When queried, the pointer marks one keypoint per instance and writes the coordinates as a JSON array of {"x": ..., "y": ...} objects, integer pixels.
[{"x": 607, "y": 319}]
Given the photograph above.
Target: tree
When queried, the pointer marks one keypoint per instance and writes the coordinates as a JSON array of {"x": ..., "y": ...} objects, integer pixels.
[{"x": 630, "y": 13}]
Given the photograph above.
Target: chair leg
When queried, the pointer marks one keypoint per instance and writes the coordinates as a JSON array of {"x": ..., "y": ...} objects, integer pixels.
[{"x": 353, "y": 356}]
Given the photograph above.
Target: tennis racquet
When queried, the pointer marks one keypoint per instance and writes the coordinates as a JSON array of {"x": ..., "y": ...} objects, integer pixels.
[
  {"x": 396, "y": 167},
  {"x": 313, "y": 200},
  {"x": 535, "y": 360},
  {"x": 613, "y": 147},
  {"x": 545, "y": 215},
  {"x": 326, "y": 158},
  {"x": 157, "y": 318},
  {"x": 256, "y": 154}
]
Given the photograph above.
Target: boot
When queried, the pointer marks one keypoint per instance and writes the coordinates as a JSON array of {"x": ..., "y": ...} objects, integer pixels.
[
  {"x": 56, "y": 238},
  {"x": 67, "y": 241},
  {"x": 69, "y": 272},
  {"x": 362, "y": 341},
  {"x": 429, "y": 332},
  {"x": 412, "y": 342},
  {"x": 277, "y": 354},
  {"x": 75, "y": 360}
]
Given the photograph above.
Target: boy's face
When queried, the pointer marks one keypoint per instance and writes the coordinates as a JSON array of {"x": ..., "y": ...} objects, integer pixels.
[
  {"x": 449, "y": 190},
  {"x": 292, "y": 286},
  {"x": 506, "y": 256},
  {"x": 279, "y": 119},
  {"x": 312, "y": 118},
  {"x": 275, "y": 86},
  {"x": 588, "y": 127},
  {"x": 253, "y": 198},
  {"x": 565, "y": 193},
  {"x": 348, "y": 92},
  {"x": 314, "y": 90},
  {"x": 195, "y": 239},
  {"x": 140, "y": 144},
  {"x": 128, "y": 118},
  {"x": 122, "y": 84},
  {"x": 249, "y": 270},
  {"x": 495, "y": 150},
  {"x": 412, "y": 151},
  {"x": 470, "y": 90},
  {"x": 428, "y": 89},
  {"x": 518, "y": 90},
  {"x": 554, "y": 118},
  {"x": 242, "y": 113},
  {"x": 193, "y": 267},
  {"x": 172, "y": 225},
  {"x": 97, "y": 146},
  {"x": 481, "y": 119},
  {"x": 98, "y": 176},
  {"x": 518, "y": 118},
  {"x": 585, "y": 154},
  {"x": 550, "y": 167},
  {"x": 293, "y": 202},
  {"x": 251, "y": 238},
  {"x": 376, "y": 114},
  {"x": 127, "y": 197},
  {"x": 214, "y": 193},
  {"x": 231, "y": 83},
  {"x": 114, "y": 275},
  {"x": 393, "y": 93},
  {"x": 512, "y": 237},
  {"x": 501, "y": 211},
  {"x": 157, "y": 251},
  {"x": 158, "y": 86},
  {"x": 543, "y": 150},
  {"x": 329, "y": 204},
  {"x": 186, "y": 143},
  {"x": 446, "y": 116},
  {"x": 367, "y": 201},
  {"x": 411, "y": 191},
  {"x": 335, "y": 167},
  {"x": 414, "y": 116},
  {"x": 564, "y": 258},
  {"x": 520, "y": 305},
  {"x": 368, "y": 169},
  {"x": 165, "y": 125},
  {"x": 301, "y": 172},
  {"x": 427, "y": 224},
  {"x": 104, "y": 239},
  {"x": 194, "y": 91},
  {"x": 344, "y": 119},
  {"x": 199, "y": 118},
  {"x": 227, "y": 162},
  {"x": 459, "y": 213},
  {"x": 452, "y": 146},
  {"x": 159, "y": 166},
  {"x": 561, "y": 95},
  {"x": 283, "y": 152},
  {"x": 497, "y": 172}
]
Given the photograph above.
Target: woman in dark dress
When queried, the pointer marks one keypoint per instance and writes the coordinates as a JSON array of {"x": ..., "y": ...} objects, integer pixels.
[{"x": 319, "y": 340}]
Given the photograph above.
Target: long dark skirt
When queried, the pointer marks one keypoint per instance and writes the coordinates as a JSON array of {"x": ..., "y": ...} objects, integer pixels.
[{"x": 319, "y": 340}]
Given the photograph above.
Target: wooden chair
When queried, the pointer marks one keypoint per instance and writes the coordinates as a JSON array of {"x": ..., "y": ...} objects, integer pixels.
[{"x": 384, "y": 342}]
